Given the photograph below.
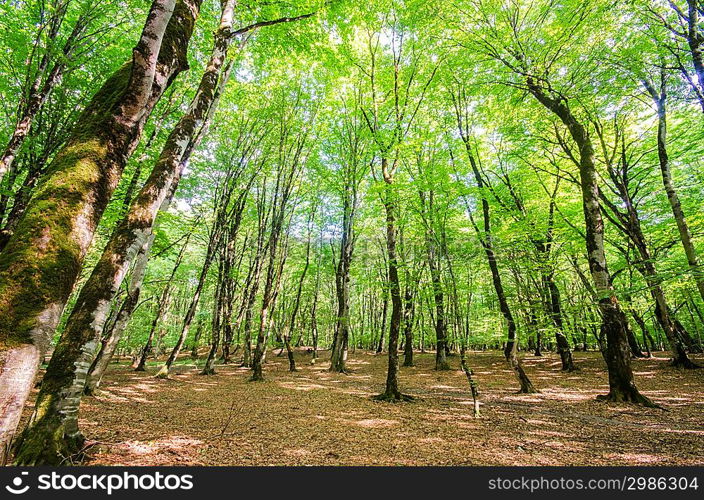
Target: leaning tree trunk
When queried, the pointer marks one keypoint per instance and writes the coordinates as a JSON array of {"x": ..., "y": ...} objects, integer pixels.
[
  {"x": 628, "y": 221},
  {"x": 161, "y": 309},
  {"x": 128, "y": 306},
  {"x": 660, "y": 100},
  {"x": 511, "y": 348},
  {"x": 213, "y": 248},
  {"x": 622, "y": 387},
  {"x": 662, "y": 312},
  {"x": 53, "y": 236}
]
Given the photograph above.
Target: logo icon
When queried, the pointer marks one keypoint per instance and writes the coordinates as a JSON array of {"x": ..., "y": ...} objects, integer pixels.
[{"x": 17, "y": 483}]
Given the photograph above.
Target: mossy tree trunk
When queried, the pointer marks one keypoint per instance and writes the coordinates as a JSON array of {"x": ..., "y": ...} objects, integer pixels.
[{"x": 40, "y": 264}]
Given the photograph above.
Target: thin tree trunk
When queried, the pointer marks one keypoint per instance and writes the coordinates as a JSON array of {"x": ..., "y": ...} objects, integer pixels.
[
  {"x": 296, "y": 304},
  {"x": 196, "y": 339},
  {"x": 213, "y": 247},
  {"x": 408, "y": 320},
  {"x": 112, "y": 339},
  {"x": 439, "y": 297},
  {"x": 660, "y": 100},
  {"x": 485, "y": 237},
  {"x": 45, "y": 81},
  {"x": 392, "y": 392},
  {"x": 338, "y": 357},
  {"x": 161, "y": 309}
]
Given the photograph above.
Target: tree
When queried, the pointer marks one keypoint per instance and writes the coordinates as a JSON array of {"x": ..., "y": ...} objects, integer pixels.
[{"x": 50, "y": 242}]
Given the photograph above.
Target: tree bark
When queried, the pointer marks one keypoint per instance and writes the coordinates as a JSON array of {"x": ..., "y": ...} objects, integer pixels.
[
  {"x": 338, "y": 357},
  {"x": 439, "y": 298},
  {"x": 128, "y": 306},
  {"x": 53, "y": 236},
  {"x": 622, "y": 387},
  {"x": 213, "y": 247},
  {"x": 408, "y": 321},
  {"x": 392, "y": 392},
  {"x": 485, "y": 237},
  {"x": 660, "y": 101}
]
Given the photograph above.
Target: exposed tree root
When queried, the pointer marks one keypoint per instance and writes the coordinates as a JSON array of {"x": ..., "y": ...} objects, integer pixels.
[
  {"x": 686, "y": 364},
  {"x": 393, "y": 397},
  {"x": 633, "y": 397}
]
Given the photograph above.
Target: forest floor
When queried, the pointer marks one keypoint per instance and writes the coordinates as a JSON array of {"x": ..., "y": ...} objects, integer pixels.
[{"x": 313, "y": 417}]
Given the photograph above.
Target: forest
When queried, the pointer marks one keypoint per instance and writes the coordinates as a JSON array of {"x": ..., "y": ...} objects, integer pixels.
[{"x": 391, "y": 232}]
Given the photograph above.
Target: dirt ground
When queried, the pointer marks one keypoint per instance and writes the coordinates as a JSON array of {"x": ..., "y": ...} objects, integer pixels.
[{"x": 313, "y": 417}]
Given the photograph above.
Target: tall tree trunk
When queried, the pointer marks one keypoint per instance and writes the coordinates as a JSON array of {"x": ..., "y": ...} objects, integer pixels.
[
  {"x": 296, "y": 304},
  {"x": 627, "y": 220},
  {"x": 384, "y": 318},
  {"x": 622, "y": 387},
  {"x": 161, "y": 309},
  {"x": 408, "y": 321},
  {"x": 196, "y": 339},
  {"x": 392, "y": 392},
  {"x": 485, "y": 237},
  {"x": 271, "y": 287},
  {"x": 439, "y": 297},
  {"x": 249, "y": 311},
  {"x": 660, "y": 100},
  {"x": 314, "y": 309},
  {"x": 338, "y": 357},
  {"x": 213, "y": 248},
  {"x": 53, "y": 236},
  {"x": 209, "y": 366}
]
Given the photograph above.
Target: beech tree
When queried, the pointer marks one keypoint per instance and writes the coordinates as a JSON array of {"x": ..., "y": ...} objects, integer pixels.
[{"x": 56, "y": 229}]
